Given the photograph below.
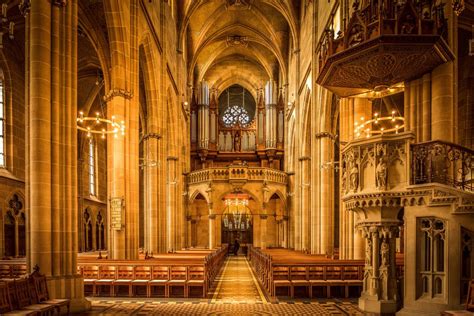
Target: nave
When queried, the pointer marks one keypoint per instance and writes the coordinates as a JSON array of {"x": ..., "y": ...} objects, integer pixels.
[{"x": 236, "y": 292}]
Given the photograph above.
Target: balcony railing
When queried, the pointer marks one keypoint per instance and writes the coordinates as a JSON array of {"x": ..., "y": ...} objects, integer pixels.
[
  {"x": 444, "y": 163},
  {"x": 238, "y": 173}
]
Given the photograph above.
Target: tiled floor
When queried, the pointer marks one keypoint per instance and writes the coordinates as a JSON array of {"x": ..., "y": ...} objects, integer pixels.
[{"x": 236, "y": 292}]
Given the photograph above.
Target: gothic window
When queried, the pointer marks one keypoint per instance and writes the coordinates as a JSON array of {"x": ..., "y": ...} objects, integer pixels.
[
  {"x": 236, "y": 107},
  {"x": 91, "y": 162},
  {"x": 432, "y": 256},
  {"x": 2, "y": 122},
  {"x": 100, "y": 232},
  {"x": 87, "y": 232},
  {"x": 14, "y": 228}
]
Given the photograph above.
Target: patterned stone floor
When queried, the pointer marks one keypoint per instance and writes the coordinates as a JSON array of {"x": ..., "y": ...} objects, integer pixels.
[{"x": 235, "y": 292}]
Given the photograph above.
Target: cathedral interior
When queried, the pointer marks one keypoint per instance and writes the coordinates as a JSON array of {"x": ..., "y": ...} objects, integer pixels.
[{"x": 297, "y": 157}]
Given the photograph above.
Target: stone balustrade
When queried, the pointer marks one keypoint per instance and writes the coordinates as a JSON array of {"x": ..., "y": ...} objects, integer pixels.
[{"x": 238, "y": 173}]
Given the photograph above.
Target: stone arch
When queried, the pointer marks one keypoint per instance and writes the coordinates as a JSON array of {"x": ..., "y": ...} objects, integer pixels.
[
  {"x": 195, "y": 194},
  {"x": 278, "y": 193}
]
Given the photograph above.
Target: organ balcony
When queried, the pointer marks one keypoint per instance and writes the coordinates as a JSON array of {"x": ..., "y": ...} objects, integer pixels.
[{"x": 385, "y": 42}]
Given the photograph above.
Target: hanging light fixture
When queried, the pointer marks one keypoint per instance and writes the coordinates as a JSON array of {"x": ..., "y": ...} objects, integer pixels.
[{"x": 99, "y": 124}]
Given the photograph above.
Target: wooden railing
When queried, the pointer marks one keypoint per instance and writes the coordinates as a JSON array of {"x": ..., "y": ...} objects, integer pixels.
[{"x": 238, "y": 173}]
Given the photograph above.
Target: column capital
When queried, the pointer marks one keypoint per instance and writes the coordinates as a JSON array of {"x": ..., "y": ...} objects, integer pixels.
[
  {"x": 263, "y": 216},
  {"x": 212, "y": 216},
  {"x": 172, "y": 158},
  {"x": 112, "y": 93},
  {"x": 147, "y": 136},
  {"x": 304, "y": 158}
]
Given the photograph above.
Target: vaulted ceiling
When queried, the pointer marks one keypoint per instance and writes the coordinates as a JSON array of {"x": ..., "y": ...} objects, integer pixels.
[{"x": 244, "y": 42}]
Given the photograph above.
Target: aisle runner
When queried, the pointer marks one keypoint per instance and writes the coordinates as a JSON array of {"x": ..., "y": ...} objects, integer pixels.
[{"x": 237, "y": 284}]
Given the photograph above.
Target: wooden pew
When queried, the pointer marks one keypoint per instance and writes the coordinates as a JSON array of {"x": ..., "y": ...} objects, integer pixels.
[
  {"x": 315, "y": 274},
  {"x": 167, "y": 275}
]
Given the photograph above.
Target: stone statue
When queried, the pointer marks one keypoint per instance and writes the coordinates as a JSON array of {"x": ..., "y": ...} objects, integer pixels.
[
  {"x": 354, "y": 177},
  {"x": 344, "y": 181},
  {"x": 384, "y": 249},
  {"x": 237, "y": 141},
  {"x": 381, "y": 174},
  {"x": 368, "y": 253}
]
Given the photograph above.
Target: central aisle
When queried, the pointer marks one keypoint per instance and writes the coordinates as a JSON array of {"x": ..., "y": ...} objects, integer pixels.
[{"x": 237, "y": 283}]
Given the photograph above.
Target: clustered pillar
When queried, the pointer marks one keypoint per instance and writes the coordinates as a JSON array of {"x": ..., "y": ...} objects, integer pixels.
[{"x": 51, "y": 184}]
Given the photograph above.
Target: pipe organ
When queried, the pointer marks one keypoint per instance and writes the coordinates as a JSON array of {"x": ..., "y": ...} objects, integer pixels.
[{"x": 237, "y": 125}]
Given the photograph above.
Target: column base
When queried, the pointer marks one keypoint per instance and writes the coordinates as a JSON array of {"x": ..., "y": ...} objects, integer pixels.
[
  {"x": 71, "y": 287},
  {"x": 370, "y": 304}
]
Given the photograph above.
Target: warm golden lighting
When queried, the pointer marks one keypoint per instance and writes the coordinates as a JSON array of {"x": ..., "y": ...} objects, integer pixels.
[{"x": 111, "y": 126}]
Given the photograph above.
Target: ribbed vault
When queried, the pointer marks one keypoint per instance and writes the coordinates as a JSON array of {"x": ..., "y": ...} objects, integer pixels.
[{"x": 237, "y": 41}]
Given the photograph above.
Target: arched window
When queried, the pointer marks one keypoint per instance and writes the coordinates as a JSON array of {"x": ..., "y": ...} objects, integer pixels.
[
  {"x": 92, "y": 184},
  {"x": 2, "y": 121}
]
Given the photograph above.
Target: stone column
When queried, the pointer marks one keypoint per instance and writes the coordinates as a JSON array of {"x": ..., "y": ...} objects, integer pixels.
[
  {"x": 212, "y": 228},
  {"x": 263, "y": 231},
  {"x": 306, "y": 216},
  {"x": 153, "y": 214},
  {"x": 51, "y": 136},
  {"x": 122, "y": 151},
  {"x": 285, "y": 232},
  {"x": 172, "y": 228},
  {"x": 379, "y": 293},
  {"x": 442, "y": 109}
]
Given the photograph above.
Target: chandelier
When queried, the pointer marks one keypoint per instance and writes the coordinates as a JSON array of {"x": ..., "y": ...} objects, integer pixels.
[
  {"x": 100, "y": 125},
  {"x": 373, "y": 126},
  {"x": 237, "y": 214},
  {"x": 5, "y": 27}
]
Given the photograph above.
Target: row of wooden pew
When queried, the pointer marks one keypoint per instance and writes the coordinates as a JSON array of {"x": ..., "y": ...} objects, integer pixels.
[
  {"x": 179, "y": 274},
  {"x": 29, "y": 295},
  {"x": 309, "y": 275}
]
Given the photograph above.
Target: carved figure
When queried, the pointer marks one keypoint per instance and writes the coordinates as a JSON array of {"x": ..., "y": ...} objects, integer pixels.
[
  {"x": 381, "y": 174},
  {"x": 354, "y": 177},
  {"x": 368, "y": 253},
  {"x": 237, "y": 141},
  {"x": 384, "y": 253},
  {"x": 355, "y": 35},
  {"x": 344, "y": 181}
]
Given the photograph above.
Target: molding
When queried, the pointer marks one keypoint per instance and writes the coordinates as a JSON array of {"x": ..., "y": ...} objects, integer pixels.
[
  {"x": 112, "y": 93},
  {"x": 172, "y": 158},
  {"x": 151, "y": 26},
  {"x": 150, "y": 135},
  {"x": 303, "y": 158},
  {"x": 173, "y": 82}
]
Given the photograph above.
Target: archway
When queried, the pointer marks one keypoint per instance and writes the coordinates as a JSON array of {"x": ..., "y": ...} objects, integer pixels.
[
  {"x": 198, "y": 223},
  {"x": 237, "y": 219}
]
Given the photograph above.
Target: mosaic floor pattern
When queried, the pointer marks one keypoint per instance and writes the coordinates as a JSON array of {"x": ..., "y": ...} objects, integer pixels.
[{"x": 235, "y": 292}]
